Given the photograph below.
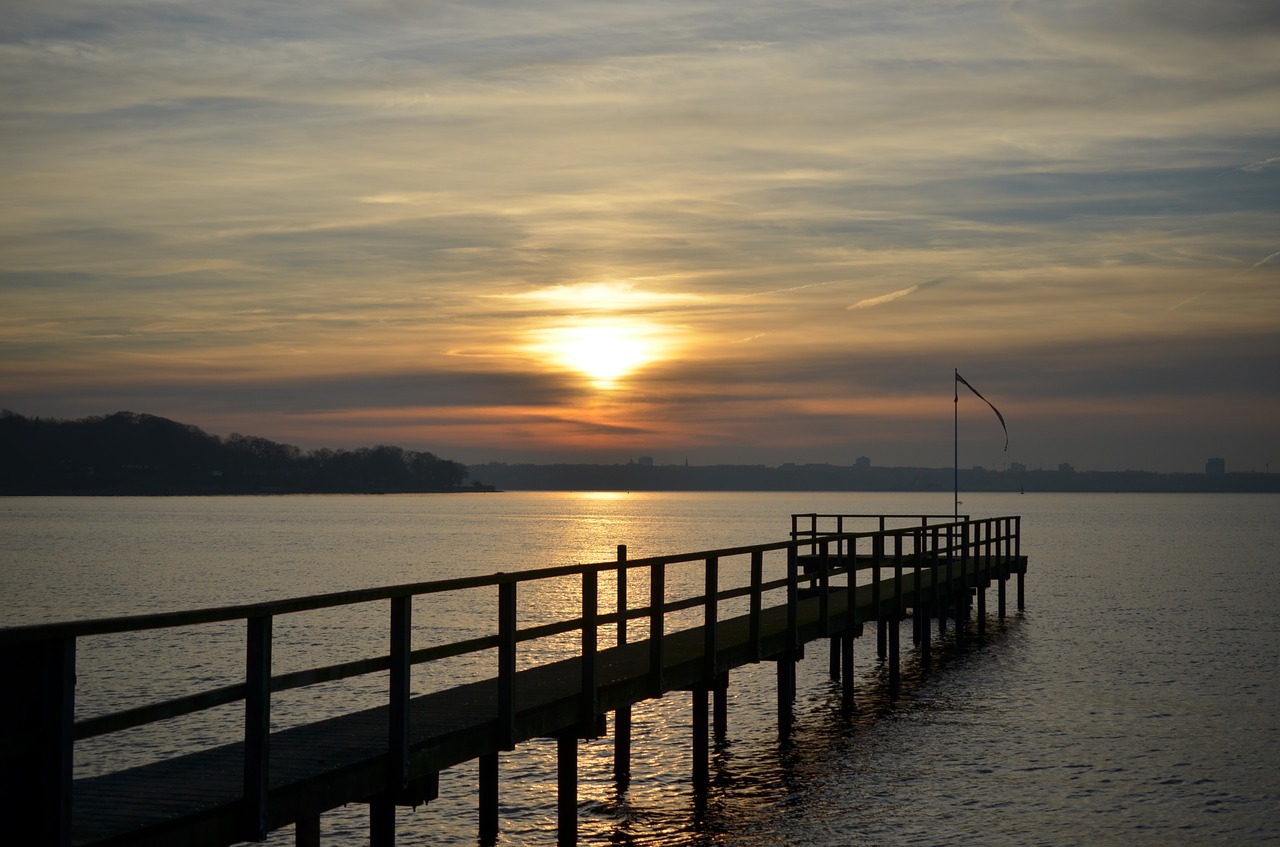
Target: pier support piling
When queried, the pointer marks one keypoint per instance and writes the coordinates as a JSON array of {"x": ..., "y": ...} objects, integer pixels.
[
  {"x": 701, "y": 748},
  {"x": 846, "y": 680},
  {"x": 720, "y": 708},
  {"x": 567, "y": 789},
  {"x": 622, "y": 744},
  {"x": 786, "y": 693},
  {"x": 306, "y": 832},
  {"x": 895, "y": 672},
  {"x": 926, "y": 636},
  {"x": 488, "y": 799},
  {"x": 382, "y": 822}
]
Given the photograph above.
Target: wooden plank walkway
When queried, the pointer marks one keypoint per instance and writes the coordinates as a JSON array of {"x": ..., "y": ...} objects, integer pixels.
[{"x": 197, "y": 799}]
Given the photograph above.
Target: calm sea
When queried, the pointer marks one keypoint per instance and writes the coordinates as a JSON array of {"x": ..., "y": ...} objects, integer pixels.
[{"x": 1136, "y": 701}]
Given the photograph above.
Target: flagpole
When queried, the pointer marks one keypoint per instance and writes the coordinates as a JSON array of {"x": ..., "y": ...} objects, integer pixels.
[{"x": 955, "y": 415}]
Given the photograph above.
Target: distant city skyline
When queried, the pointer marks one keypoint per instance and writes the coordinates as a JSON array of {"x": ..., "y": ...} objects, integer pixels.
[{"x": 739, "y": 232}]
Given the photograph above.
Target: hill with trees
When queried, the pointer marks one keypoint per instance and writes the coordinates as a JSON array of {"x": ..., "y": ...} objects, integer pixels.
[{"x": 128, "y": 453}]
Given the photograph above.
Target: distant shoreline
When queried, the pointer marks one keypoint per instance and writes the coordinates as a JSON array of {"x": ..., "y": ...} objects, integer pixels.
[
  {"x": 489, "y": 489},
  {"x": 858, "y": 478},
  {"x": 153, "y": 492}
]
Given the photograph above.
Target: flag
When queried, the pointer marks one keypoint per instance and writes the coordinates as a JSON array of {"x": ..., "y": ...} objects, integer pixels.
[{"x": 960, "y": 379}]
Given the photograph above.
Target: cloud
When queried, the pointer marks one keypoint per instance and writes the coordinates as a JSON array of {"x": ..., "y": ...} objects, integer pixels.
[
  {"x": 1264, "y": 164},
  {"x": 607, "y": 296}
]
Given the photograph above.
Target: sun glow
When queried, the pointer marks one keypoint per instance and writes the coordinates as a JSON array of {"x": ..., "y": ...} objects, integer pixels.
[{"x": 604, "y": 351}]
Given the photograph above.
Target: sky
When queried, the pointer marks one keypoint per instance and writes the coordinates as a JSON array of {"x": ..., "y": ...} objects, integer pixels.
[{"x": 711, "y": 232}]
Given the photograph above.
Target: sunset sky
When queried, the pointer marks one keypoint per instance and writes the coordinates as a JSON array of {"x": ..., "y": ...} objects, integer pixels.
[{"x": 706, "y": 231}]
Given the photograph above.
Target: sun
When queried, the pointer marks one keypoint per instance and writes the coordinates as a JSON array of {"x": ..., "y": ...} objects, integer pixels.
[{"x": 604, "y": 350}]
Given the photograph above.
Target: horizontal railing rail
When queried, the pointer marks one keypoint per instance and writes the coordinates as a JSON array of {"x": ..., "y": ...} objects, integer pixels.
[{"x": 925, "y": 542}]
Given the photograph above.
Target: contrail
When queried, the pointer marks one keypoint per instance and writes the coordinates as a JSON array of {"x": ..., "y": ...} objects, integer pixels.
[
  {"x": 1226, "y": 281},
  {"x": 883, "y": 298},
  {"x": 1257, "y": 265},
  {"x": 894, "y": 295},
  {"x": 797, "y": 288}
]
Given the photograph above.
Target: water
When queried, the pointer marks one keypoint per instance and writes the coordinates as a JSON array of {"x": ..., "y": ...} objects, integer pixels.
[{"x": 1134, "y": 701}]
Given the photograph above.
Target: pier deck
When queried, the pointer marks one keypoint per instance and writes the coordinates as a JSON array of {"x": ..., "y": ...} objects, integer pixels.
[{"x": 392, "y": 754}]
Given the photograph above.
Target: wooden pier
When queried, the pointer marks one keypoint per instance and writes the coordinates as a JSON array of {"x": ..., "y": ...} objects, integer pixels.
[{"x": 765, "y": 602}]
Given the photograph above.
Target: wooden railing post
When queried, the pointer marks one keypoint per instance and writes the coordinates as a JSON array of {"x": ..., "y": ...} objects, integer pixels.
[
  {"x": 894, "y": 623},
  {"x": 917, "y": 603},
  {"x": 622, "y": 715},
  {"x": 1004, "y": 547},
  {"x": 1017, "y": 555},
  {"x": 853, "y": 623},
  {"x": 37, "y": 716},
  {"x": 928, "y": 557},
  {"x": 621, "y": 593},
  {"x": 710, "y": 614},
  {"x": 897, "y": 575},
  {"x": 980, "y": 581},
  {"x": 961, "y": 597},
  {"x": 257, "y": 726},
  {"x": 657, "y": 615},
  {"x": 920, "y": 543},
  {"x": 988, "y": 547},
  {"x": 824, "y": 584},
  {"x": 507, "y": 664},
  {"x": 936, "y": 541},
  {"x": 398, "y": 734},
  {"x": 757, "y": 580},
  {"x": 877, "y": 558},
  {"x": 793, "y": 601},
  {"x": 590, "y": 642}
]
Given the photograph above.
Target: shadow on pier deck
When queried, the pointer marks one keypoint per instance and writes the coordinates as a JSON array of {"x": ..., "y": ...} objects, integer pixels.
[{"x": 829, "y": 583}]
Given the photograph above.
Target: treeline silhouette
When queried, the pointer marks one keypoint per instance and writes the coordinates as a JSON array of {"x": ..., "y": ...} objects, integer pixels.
[{"x": 128, "y": 453}]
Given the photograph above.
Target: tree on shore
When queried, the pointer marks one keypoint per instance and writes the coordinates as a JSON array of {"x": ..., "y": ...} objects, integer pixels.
[{"x": 129, "y": 453}]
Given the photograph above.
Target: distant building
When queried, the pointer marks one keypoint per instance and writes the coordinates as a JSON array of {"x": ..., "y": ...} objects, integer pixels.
[
  {"x": 1017, "y": 467},
  {"x": 862, "y": 463},
  {"x": 645, "y": 461},
  {"x": 1215, "y": 467},
  {"x": 1065, "y": 467}
]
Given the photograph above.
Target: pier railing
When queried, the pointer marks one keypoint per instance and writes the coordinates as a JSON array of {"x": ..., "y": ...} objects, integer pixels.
[
  {"x": 812, "y": 525},
  {"x": 39, "y": 729}
]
